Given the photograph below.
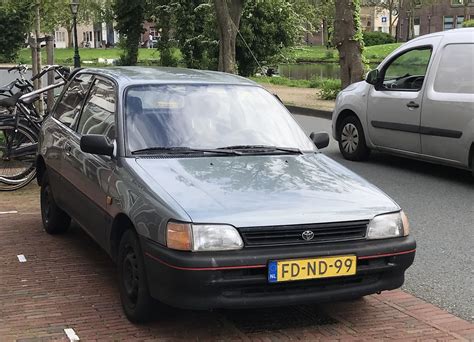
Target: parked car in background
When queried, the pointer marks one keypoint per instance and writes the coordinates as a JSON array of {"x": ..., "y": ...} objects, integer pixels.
[
  {"x": 418, "y": 103},
  {"x": 207, "y": 194}
]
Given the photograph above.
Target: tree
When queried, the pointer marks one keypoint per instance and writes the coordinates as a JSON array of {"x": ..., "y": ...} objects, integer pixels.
[
  {"x": 348, "y": 41},
  {"x": 15, "y": 23},
  {"x": 228, "y": 14},
  {"x": 195, "y": 39},
  {"x": 129, "y": 16},
  {"x": 163, "y": 11},
  {"x": 267, "y": 27}
]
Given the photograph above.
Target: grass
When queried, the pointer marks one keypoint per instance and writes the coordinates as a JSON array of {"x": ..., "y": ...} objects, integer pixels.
[
  {"x": 65, "y": 56},
  {"x": 301, "y": 54},
  {"x": 312, "y": 54}
]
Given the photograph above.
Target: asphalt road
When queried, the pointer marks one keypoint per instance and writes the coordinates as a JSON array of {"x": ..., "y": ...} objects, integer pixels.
[{"x": 439, "y": 202}]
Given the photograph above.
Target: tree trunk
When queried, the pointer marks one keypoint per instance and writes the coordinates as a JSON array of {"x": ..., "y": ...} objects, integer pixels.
[
  {"x": 69, "y": 35},
  {"x": 228, "y": 14},
  {"x": 346, "y": 32},
  {"x": 326, "y": 34}
]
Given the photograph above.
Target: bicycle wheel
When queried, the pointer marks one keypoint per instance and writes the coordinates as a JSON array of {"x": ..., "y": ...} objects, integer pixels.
[{"x": 17, "y": 156}]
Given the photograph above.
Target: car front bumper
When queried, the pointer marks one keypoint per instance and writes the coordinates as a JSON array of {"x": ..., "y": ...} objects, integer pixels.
[{"x": 238, "y": 279}]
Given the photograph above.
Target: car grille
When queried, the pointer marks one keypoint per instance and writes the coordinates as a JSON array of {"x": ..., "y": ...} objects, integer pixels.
[{"x": 287, "y": 235}]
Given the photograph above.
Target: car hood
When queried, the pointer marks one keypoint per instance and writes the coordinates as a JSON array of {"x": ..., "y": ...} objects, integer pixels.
[{"x": 266, "y": 190}]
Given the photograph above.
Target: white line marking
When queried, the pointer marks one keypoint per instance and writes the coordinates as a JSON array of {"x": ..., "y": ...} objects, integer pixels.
[
  {"x": 8, "y": 212},
  {"x": 21, "y": 258},
  {"x": 71, "y": 334}
]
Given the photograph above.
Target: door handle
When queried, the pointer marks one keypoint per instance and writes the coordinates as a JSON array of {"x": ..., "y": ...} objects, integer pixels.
[{"x": 412, "y": 104}]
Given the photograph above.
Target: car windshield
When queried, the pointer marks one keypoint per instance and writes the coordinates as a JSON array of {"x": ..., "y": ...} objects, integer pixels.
[{"x": 165, "y": 117}]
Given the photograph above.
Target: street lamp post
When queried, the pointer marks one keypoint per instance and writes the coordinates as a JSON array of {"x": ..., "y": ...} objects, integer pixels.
[{"x": 74, "y": 8}]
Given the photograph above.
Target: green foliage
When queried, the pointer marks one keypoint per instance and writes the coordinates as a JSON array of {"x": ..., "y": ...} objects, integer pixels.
[
  {"x": 14, "y": 27},
  {"x": 377, "y": 38},
  {"x": 329, "y": 86},
  {"x": 358, "y": 36},
  {"x": 329, "y": 89},
  {"x": 266, "y": 26},
  {"x": 195, "y": 32},
  {"x": 468, "y": 23},
  {"x": 129, "y": 16}
]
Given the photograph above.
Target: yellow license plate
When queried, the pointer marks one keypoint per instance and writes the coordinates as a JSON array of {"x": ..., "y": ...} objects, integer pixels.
[{"x": 302, "y": 269}]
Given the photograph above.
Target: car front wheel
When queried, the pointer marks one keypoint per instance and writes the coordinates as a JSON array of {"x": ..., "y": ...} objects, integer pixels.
[
  {"x": 55, "y": 220},
  {"x": 352, "y": 139},
  {"x": 136, "y": 300}
]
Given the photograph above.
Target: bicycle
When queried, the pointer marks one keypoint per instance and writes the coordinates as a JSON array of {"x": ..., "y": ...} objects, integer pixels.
[{"x": 19, "y": 133}]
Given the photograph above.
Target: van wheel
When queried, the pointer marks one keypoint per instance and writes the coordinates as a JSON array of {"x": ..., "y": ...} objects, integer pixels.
[
  {"x": 352, "y": 140},
  {"x": 135, "y": 296},
  {"x": 55, "y": 220}
]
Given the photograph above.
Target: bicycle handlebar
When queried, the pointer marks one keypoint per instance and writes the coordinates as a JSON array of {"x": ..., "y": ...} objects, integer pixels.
[
  {"x": 21, "y": 68},
  {"x": 61, "y": 71}
]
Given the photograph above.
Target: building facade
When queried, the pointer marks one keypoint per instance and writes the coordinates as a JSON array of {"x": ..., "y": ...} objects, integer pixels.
[{"x": 437, "y": 16}]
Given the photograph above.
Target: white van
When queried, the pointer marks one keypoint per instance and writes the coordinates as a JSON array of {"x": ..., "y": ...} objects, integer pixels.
[{"x": 418, "y": 103}]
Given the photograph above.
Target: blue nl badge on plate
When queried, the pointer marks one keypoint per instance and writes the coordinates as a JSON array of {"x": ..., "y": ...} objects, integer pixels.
[{"x": 272, "y": 272}]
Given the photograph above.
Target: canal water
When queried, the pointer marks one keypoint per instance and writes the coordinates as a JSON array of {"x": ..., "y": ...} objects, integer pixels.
[{"x": 308, "y": 71}]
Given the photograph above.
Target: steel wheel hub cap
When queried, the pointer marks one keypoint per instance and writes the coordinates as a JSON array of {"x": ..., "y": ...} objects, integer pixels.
[
  {"x": 350, "y": 138},
  {"x": 130, "y": 275}
]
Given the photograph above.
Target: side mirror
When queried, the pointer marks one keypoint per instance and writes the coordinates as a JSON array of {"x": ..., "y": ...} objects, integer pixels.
[
  {"x": 97, "y": 144},
  {"x": 321, "y": 140},
  {"x": 372, "y": 77}
]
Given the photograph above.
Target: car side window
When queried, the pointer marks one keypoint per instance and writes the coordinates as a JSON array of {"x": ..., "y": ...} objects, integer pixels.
[
  {"x": 407, "y": 71},
  {"x": 456, "y": 71},
  {"x": 98, "y": 115},
  {"x": 68, "y": 109}
]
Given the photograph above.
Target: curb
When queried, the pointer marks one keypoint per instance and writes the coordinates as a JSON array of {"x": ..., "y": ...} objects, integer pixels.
[{"x": 325, "y": 114}]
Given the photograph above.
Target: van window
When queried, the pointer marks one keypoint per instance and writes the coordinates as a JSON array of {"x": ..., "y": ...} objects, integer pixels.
[
  {"x": 407, "y": 71},
  {"x": 456, "y": 70}
]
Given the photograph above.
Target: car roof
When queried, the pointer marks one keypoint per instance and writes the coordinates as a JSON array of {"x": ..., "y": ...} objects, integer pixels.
[
  {"x": 164, "y": 75},
  {"x": 465, "y": 32}
]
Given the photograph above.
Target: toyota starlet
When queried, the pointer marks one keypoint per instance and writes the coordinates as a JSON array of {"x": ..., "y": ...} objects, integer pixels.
[{"x": 207, "y": 194}]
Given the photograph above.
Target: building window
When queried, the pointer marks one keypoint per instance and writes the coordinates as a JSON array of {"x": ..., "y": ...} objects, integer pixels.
[
  {"x": 459, "y": 20},
  {"x": 60, "y": 36},
  {"x": 456, "y": 2},
  {"x": 448, "y": 22},
  {"x": 416, "y": 26}
]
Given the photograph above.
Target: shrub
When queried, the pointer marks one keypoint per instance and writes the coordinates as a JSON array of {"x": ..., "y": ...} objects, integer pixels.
[
  {"x": 330, "y": 88},
  {"x": 468, "y": 23},
  {"x": 316, "y": 82},
  {"x": 329, "y": 54},
  {"x": 377, "y": 38}
]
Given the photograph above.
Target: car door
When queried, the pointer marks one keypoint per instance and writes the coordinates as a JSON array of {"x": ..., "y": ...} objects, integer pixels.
[
  {"x": 89, "y": 174},
  {"x": 58, "y": 129},
  {"x": 448, "y": 107},
  {"x": 394, "y": 103}
]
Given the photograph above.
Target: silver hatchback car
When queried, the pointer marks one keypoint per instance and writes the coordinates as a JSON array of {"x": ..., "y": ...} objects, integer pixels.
[
  {"x": 418, "y": 103},
  {"x": 207, "y": 194}
]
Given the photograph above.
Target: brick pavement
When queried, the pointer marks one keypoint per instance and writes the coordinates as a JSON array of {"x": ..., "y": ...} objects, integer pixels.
[{"x": 68, "y": 282}]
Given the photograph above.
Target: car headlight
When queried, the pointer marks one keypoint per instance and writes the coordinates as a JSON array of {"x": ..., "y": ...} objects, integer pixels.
[
  {"x": 202, "y": 237},
  {"x": 388, "y": 226}
]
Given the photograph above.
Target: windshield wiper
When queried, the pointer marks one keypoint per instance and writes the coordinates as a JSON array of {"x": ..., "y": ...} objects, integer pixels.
[
  {"x": 183, "y": 150},
  {"x": 263, "y": 148}
]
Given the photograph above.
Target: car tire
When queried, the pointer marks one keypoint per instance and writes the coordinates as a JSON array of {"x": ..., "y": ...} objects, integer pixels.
[
  {"x": 134, "y": 294},
  {"x": 352, "y": 139},
  {"x": 55, "y": 220}
]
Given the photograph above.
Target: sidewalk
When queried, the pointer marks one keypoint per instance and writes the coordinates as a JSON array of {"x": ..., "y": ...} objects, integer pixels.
[
  {"x": 301, "y": 97},
  {"x": 68, "y": 282}
]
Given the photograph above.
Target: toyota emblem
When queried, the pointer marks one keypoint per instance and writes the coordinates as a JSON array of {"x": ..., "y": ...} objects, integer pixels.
[{"x": 307, "y": 235}]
